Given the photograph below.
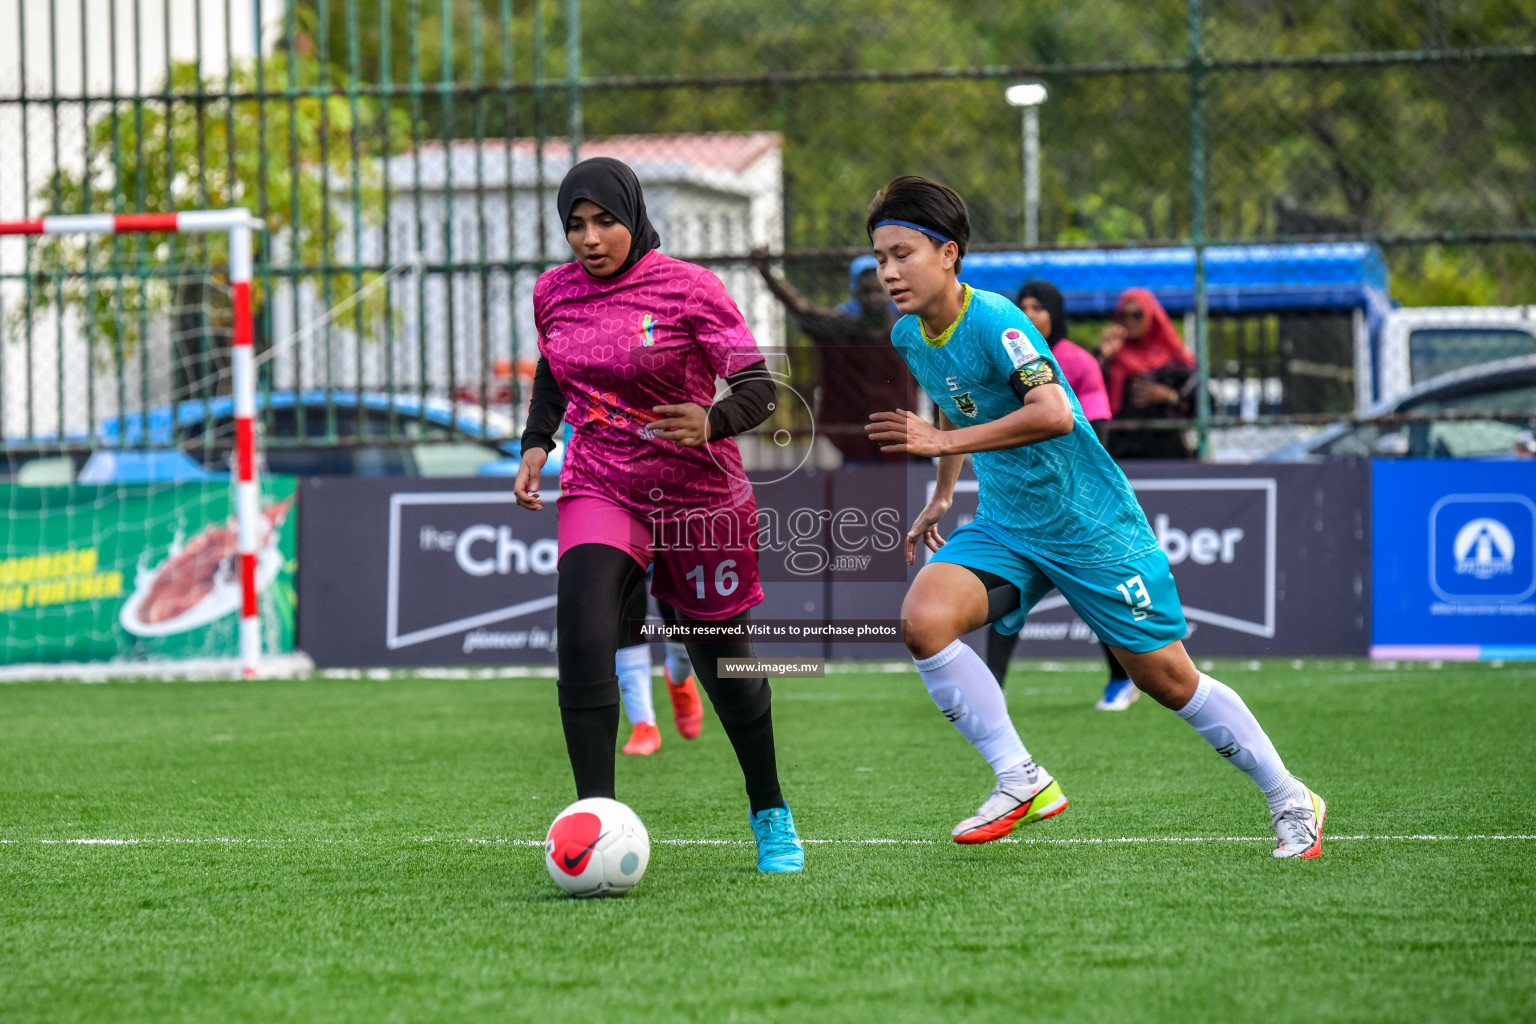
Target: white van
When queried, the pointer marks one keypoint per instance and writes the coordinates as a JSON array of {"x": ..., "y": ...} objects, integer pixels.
[{"x": 1425, "y": 342}]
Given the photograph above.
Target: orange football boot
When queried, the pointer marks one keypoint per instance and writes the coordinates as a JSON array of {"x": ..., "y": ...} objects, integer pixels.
[
  {"x": 1007, "y": 809},
  {"x": 646, "y": 739},
  {"x": 687, "y": 709}
]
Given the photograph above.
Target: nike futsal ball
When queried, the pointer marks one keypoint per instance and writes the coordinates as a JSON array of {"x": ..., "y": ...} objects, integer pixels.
[{"x": 597, "y": 847}]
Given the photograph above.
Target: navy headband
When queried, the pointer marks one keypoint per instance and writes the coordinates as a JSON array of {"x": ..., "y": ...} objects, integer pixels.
[{"x": 915, "y": 227}]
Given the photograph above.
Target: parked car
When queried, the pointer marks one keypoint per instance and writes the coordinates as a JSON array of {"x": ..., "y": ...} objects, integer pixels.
[
  {"x": 1504, "y": 387},
  {"x": 372, "y": 434}
]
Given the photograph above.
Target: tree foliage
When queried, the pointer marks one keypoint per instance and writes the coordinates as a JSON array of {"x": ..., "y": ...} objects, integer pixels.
[
  {"x": 1362, "y": 149},
  {"x": 290, "y": 161}
]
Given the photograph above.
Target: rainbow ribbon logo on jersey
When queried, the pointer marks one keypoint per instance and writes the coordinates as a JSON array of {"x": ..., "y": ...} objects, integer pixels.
[{"x": 646, "y": 330}]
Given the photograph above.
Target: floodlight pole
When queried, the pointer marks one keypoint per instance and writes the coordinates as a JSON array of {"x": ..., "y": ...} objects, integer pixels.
[
  {"x": 1029, "y": 96},
  {"x": 1032, "y": 175}
]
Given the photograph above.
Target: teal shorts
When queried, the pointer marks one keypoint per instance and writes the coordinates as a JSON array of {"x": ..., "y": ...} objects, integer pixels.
[{"x": 1134, "y": 606}]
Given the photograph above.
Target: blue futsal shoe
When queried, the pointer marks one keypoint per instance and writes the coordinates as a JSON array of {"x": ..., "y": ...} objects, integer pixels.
[
  {"x": 778, "y": 845},
  {"x": 1119, "y": 694}
]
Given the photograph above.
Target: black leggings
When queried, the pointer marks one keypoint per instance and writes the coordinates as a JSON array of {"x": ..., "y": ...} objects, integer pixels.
[
  {"x": 600, "y": 589},
  {"x": 1000, "y": 651},
  {"x": 1002, "y": 598},
  {"x": 636, "y": 610}
]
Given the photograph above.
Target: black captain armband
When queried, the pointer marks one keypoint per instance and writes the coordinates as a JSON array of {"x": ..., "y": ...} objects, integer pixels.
[{"x": 1031, "y": 375}]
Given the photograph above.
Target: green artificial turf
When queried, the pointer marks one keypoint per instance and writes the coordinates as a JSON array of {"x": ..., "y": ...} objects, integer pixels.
[{"x": 350, "y": 888}]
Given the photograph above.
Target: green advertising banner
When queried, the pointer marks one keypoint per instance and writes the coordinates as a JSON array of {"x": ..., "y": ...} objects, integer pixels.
[{"x": 138, "y": 572}]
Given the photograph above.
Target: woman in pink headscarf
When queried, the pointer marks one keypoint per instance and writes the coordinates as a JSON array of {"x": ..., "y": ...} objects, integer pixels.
[{"x": 1149, "y": 375}]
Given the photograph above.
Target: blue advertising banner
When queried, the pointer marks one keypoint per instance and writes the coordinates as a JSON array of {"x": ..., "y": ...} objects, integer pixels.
[{"x": 1454, "y": 561}]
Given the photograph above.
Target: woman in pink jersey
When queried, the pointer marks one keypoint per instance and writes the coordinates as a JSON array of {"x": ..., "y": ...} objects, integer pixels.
[
  {"x": 1041, "y": 301},
  {"x": 630, "y": 344}
]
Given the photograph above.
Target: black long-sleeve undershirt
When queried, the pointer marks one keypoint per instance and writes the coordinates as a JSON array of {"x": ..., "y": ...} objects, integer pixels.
[
  {"x": 545, "y": 410},
  {"x": 749, "y": 403},
  {"x": 752, "y": 392}
]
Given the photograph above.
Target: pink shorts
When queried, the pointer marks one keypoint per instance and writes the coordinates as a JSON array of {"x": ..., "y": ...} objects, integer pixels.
[{"x": 705, "y": 563}]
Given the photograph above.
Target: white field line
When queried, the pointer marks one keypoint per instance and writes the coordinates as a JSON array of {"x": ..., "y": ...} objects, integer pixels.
[
  {"x": 1332, "y": 671},
  {"x": 198, "y": 670},
  {"x": 1083, "y": 841},
  {"x": 904, "y": 695}
]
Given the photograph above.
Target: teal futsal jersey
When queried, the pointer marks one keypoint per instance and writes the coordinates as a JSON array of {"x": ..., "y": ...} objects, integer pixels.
[{"x": 1063, "y": 498}]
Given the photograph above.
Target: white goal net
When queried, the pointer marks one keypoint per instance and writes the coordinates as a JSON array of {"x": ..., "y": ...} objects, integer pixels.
[{"x": 136, "y": 528}]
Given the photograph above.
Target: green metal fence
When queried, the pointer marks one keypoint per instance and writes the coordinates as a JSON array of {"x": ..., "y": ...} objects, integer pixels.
[{"x": 405, "y": 153}]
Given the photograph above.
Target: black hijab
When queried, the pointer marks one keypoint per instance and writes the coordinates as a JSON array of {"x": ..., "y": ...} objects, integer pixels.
[
  {"x": 610, "y": 184},
  {"x": 1048, "y": 296}
]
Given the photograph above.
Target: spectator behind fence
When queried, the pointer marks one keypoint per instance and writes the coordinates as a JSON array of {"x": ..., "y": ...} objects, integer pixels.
[
  {"x": 1041, "y": 301},
  {"x": 860, "y": 371},
  {"x": 1150, "y": 376}
]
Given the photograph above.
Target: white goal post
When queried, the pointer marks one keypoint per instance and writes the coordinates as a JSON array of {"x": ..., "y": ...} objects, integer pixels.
[{"x": 239, "y": 226}]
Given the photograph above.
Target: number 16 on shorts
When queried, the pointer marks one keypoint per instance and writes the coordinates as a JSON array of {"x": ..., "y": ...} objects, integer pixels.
[
  {"x": 1135, "y": 593},
  {"x": 726, "y": 581},
  {"x": 706, "y": 566}
]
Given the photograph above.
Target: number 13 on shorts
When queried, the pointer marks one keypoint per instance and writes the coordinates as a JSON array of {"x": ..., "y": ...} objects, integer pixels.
[
  {"x": 1134, "y": 590},
  {"x": 726, "y": 581}
]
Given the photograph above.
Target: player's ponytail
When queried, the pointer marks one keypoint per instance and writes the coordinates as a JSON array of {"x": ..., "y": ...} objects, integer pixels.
[{"x": 935, "y": 210}]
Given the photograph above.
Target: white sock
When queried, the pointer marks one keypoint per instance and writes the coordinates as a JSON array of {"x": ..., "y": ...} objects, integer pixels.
[
  {"x": 1020, "y": 776},
  {"x": 1224, "y": 721},
  {"x": 633, "y": 665},
  {"x": 678, "y": 662},
  {"x": 962, "y": 686}
]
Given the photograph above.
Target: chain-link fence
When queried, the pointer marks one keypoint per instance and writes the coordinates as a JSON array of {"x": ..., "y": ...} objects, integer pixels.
[{"x": 1283, "y": 178}]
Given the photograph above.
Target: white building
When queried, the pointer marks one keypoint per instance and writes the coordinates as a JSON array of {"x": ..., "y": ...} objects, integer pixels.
[
  {"x": 61, "y": 54},
  {"x": 72, "y": 50},
  {"x": 709, "y": 195}
]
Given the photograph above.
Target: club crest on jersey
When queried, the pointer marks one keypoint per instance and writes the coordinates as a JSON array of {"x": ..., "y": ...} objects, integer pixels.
[
  {"x": 1020, "y": 349},
  {"x": 645, "y": 330},
  {"x": 966, "y": 405}
]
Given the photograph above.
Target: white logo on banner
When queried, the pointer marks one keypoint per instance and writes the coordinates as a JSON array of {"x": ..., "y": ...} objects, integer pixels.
[
  {"x": 1484, "y": 548},
  {"x": 479, "y": 551},
  {"x": 1204, "y": 546}
]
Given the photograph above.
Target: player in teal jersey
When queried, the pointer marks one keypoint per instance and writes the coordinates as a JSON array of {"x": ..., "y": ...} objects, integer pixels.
[{"x": 1055, "y": 512}]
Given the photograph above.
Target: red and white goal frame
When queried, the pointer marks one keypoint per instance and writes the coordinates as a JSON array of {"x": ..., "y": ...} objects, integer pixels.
[{"x": 239, "y": 225}]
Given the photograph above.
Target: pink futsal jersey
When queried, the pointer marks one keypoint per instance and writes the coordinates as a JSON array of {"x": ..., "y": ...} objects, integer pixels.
[
  {"x": 659, "y": 334},
  {"x": 1082, "y": 372}
]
